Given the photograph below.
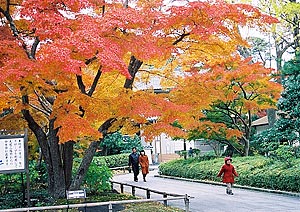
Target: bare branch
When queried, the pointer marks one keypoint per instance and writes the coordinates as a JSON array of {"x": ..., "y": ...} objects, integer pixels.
[{"x": 44, "y": 103}]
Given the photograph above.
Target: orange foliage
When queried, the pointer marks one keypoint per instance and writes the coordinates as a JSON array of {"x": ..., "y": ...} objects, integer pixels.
[{"x": 75, "y": 43}]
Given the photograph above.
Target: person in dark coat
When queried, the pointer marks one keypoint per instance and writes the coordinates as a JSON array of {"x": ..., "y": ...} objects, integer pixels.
[
  {"x": 228, "y": 172},
  {"x": 134, "y": 163},
  {"x": 144, "y": 162}
]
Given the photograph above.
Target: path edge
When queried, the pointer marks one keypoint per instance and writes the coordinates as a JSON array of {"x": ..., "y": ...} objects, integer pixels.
[{"x": 235, "y": 185}]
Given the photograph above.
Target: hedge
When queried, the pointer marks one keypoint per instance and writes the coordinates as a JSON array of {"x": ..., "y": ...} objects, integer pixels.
[
  {"x": 255, "y": 171},
  {"x": 112, "y": 161}
]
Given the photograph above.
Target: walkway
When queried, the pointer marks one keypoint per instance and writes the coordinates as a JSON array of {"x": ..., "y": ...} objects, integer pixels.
[{"x": 212, "y": 198}]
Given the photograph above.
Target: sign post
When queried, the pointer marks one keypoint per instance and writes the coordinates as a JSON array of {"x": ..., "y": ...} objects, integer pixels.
[{"x": 14, "y": 154}]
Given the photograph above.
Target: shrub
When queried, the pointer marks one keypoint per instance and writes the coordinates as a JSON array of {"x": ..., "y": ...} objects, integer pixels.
[
  {"x": 255, "y": 171},
  {"x": 97, "y": 178},
  {"x": 112, "y": 161}
]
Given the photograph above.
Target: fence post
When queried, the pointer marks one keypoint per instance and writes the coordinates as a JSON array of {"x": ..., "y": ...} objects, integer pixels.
[
  {"x": 165, "y": 201},
  {"x": 133, "y": 190},
  {"x": 122, "y": 188},
  {"x": 148, "y": 193},
  {"x": 110, "y": 208},
  {"x": 187, "y": 203}
]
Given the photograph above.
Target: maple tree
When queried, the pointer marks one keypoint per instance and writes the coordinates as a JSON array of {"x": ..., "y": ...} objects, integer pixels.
[
  {"x": 233, "y": 91},
  {"x": 69, "y": 67},
  {"x": 283, "y": 38}
]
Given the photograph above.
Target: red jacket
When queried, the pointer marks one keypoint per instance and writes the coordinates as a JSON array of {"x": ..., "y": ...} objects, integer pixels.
[
  {"x": 144, "y": 162},
  {"x": 228, "y": 172}
]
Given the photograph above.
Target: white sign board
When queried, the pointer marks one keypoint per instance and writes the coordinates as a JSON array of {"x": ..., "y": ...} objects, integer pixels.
[
  {"x": 12, "y": 154},
  {"x": 76, "y": 194}
]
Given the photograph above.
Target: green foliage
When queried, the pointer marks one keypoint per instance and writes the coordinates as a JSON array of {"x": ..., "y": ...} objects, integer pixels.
[
  {"x": 112, "y": 161},
  {"x": 258, "y": 51},
  {"x": 99, "y": 174},
  {"x": 284, "y": 153},
  {"x": 12, "y": 192},
  {"x": 266, "y": 141},
  {"x": 196, "y": 152},
  {"x": 129, "y": 143},
  {"x": 255, "y": 171},
  {"x": 116, "y": 143},
  {"x": 286, "y": 130},
  {"x": 183, "y": 153},
  {"x": 97, "y": 179}
]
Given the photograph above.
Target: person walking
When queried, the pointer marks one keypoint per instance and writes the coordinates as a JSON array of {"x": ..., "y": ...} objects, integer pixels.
[
  {"x": 134, "y": 163},
  {"x": 144, "y": 162},
  {"x": 228, "y": 172},
  {"x": 191, "y": 152}
]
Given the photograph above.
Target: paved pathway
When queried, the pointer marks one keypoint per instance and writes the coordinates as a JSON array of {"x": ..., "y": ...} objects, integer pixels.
[{"x": 212, "y": 198}]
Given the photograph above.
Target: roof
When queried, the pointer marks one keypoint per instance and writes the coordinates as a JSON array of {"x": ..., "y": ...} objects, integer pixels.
[{"x": 262, "y": 121}]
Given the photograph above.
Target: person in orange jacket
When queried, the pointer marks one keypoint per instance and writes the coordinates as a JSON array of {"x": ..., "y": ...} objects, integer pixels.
[
  {"x": 228, "y": 172},
  {"x": 144, "y": 162}
]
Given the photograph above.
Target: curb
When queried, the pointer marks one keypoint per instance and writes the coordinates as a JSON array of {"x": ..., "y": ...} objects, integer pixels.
[{"x": 235, "y": 185}]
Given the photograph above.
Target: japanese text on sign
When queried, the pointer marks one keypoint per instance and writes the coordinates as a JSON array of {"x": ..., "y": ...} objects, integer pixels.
[{"x": 12, "y": 155}]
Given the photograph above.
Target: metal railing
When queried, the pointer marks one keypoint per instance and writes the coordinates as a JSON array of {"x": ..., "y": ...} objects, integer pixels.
[
  {"x": 109, "y": 204},
  {"x": 148, "y": 193}
]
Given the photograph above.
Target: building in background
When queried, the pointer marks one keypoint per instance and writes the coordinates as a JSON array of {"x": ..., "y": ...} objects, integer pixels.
[{"x": 261, "y": 124}]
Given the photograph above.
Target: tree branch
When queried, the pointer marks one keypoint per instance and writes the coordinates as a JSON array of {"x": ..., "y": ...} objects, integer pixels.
[
  {"x": 34, "y": 47},
  {"x": 37, "y": 130},
  {"x": 80, "y": 84},
  {"x": 133, "y": 68},
  {"x": 10, "y": 21},
  {"x": 182, "y": 36},
  {"x": 45, "y": 104},
  {"x": 95, "y": 82}
]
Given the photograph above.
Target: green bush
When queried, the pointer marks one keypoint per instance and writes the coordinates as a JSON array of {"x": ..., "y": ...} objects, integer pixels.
[
  {"x": 112, "y": 160},
  {"x": 116, "y": 160},
  {"x": 255, "y": 171},
  {"x": 97, "y": 179},
  {"x": 12, "y": 192}
]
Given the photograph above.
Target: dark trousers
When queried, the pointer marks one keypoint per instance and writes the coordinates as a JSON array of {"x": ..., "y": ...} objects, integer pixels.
[{"x": 135, "y": 169}]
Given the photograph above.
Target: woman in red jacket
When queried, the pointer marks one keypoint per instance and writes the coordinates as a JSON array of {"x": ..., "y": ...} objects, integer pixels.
[
  {"x": 144, "y": 162},
  {"x": 228, "y": 172}
]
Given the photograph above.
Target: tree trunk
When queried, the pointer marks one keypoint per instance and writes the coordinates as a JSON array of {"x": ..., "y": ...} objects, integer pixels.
[
  {"x": 89, "y": 154},
  {"x": 184, "y": 148},
  {"x": 68, "y": 150},
  {"x": 57, "y": 185},
  {"x": 246, "y": 147},
  {"x": 84, "y": 165},
  {"x": 271, "y": 113},
  {"x": 52, "y": 155}
]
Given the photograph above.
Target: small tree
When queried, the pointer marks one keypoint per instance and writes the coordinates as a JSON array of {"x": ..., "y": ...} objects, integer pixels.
[{"x": 228, "y": 96}]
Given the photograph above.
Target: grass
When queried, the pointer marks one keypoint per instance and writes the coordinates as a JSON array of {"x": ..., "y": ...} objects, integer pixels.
[{"x": 150, "y": 206}]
